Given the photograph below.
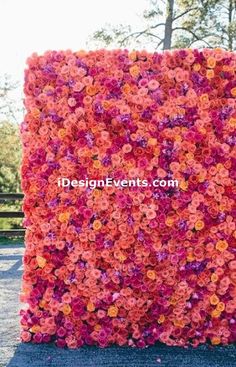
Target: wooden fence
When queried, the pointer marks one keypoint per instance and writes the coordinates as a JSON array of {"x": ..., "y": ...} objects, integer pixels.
[{"x": 10, "y": 214}]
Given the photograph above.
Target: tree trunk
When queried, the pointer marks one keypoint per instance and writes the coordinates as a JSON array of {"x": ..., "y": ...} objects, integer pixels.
[
  {"x": 230, "y": 38},
  {"x": 168, "y": 25}
]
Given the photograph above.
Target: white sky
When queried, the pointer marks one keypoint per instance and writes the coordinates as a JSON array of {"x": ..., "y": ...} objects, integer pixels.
[{"x": 28, "y": 26}]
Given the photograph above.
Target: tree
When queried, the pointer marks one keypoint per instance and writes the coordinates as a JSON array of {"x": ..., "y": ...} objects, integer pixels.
[
  {"x": 10, "y": 152},
  {"x": 177, "y": 24},
  {"x": 10, "y": 156},
  {"x": 217, "y": 25},
  {"x": 223, "y": 21},
  {"x": 10, "y": 104}
]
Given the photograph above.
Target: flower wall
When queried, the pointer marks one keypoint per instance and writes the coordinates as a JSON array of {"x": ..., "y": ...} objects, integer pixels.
[{"x": 130, "y": 266}]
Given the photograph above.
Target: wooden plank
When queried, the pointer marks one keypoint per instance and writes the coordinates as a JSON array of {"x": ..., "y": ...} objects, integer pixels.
[
  {"x": 11, "y": 214},
  {"x": 11, "y": 196},
  {"x": 12, "y": 232}
]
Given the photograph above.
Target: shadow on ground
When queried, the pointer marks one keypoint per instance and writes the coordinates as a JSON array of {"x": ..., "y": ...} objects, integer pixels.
[
  {"x": 159, "y": 355},
  {"x": 16, "y": 354}
]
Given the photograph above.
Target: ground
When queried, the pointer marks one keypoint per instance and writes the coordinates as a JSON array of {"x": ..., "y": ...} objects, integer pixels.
[{"x": 13, "y": 353}]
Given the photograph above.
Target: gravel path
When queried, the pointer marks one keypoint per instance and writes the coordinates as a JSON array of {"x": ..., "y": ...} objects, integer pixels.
[{"x": 16, "y": 354}]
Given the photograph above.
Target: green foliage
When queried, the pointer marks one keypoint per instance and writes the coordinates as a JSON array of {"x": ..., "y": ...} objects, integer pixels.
[
  {"x": 10, "y": 156},
  {"x": 186, "y": 23},
  {"x": 11, "y": 241},
  {"x": 11, "y": 223},
  {"x": 10, "y": 152},
  {"x": 212, "y": 23},
  {"x": 109, "y": 35},
  {"x": 10, "y": 104}
]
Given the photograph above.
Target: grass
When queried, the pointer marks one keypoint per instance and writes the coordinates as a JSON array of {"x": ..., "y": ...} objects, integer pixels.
[{"x": 11, "y": 240}]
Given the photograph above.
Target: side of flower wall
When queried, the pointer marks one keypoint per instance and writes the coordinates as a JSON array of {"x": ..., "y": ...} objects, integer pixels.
[{"x": 134, "y": 265}]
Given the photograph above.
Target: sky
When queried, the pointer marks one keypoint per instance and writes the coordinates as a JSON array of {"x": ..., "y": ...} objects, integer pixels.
[{"x": 28, "y": 26}]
